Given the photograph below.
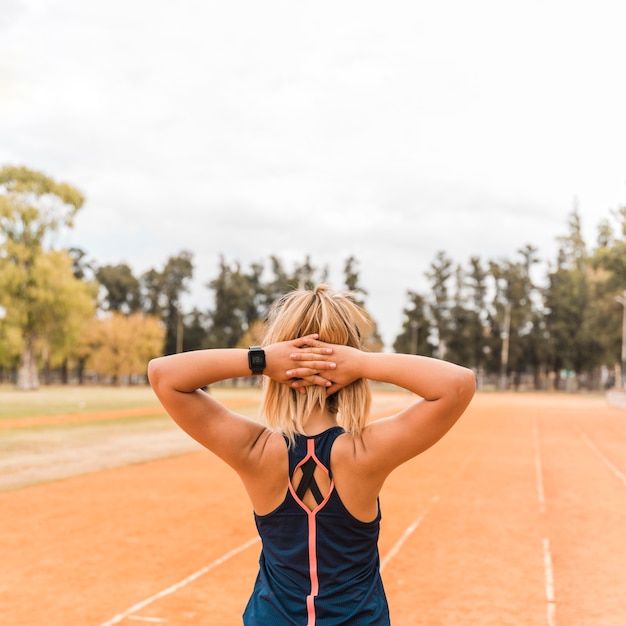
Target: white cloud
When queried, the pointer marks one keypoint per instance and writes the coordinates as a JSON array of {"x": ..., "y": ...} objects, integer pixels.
[{"x": 385, "y": 131}]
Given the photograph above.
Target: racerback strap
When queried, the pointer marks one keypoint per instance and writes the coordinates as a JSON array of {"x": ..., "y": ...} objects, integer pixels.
[{"x": 308, "y": 481}]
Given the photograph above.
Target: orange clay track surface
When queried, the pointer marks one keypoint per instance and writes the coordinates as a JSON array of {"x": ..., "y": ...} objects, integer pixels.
[{"x": 517, "y": 517}]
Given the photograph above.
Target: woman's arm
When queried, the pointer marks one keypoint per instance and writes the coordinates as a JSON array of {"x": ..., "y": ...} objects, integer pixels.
[
  {"x": 177, "y": 381},
  {"x": 444, "y": 391}
]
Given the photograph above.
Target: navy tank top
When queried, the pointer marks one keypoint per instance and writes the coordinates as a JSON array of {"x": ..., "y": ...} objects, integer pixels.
[{"x": 318, "y": 567}]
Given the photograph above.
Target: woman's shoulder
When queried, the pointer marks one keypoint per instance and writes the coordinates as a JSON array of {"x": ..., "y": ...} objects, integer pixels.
[{"x": 365, "y": 454}]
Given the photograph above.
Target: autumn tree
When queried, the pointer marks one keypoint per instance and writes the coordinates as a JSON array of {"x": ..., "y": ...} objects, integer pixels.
[
  {"x": 120, "y": 346},
  {"x": 33, "y": 207},
  {"x": 253, "y": 335}
]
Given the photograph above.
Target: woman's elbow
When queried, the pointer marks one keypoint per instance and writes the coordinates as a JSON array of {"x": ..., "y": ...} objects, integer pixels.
[
  {"x": 465, "y": 385},
  {"x": 155, "y": 371}
]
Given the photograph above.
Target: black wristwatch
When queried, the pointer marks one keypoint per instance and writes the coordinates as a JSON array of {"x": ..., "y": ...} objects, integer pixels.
[{"x": 256, "y": 359}]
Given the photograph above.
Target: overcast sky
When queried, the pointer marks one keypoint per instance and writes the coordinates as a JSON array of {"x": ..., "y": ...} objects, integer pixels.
[{"x": 384, "y": 130}]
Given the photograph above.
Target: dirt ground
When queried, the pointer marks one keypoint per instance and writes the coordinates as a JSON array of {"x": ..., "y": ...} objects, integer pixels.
[
  {"x": 30, "y": 456},
  {"x": 516, "y": 517}
]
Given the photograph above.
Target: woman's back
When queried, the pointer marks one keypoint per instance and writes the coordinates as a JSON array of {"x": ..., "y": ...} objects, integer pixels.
[{"x": 319, "y": 564}]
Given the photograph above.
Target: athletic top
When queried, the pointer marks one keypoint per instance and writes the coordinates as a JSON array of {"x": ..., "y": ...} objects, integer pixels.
[{"x": 319, "y": 567}]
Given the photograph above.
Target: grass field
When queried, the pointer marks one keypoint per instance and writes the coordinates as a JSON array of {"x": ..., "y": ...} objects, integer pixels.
[
  {"x": 516, "y": 517},
  {"x": 60, "y": 400},
  {"x": 58, "y": 432}
]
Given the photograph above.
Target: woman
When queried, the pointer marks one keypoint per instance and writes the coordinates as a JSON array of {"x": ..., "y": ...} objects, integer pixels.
[{"x": 315, "y": 471}]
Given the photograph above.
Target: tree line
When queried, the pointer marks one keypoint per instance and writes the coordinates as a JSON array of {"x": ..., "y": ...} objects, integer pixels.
[{"x": 63, "y": 317}]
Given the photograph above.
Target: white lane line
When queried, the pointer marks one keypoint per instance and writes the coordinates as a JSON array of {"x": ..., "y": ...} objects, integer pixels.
[
  {"x": 405, "y": 535},
  {"x": 548, "y": 568},
  {"x": 413, "y": 527},
  {"x": 539, "y": 470},
  {"x": 549, "y": 575},
  {"x": 179, "y": 585},
  {"x": 601, "y": 456}
]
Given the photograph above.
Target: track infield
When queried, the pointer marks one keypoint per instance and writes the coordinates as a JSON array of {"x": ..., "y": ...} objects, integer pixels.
[{"x": 516, "y": 517}]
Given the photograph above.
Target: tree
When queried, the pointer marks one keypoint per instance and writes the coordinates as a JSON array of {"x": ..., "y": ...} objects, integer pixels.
[
  {"x": 610, "y": 253},
  {"x": 151, "y": 287},
  {"x": 281, "y": 282},
  {"x": 254, "y": 301},
  {"x": 602, "y": 328},
  {"x": 175, "y": 278},
  {"x": 304, "y": 274},
  {"x": 157, "y": 293},
  {"x": 32, "y": 208},
  {"x": 462, "y": 321},
  {"x": 195, "y": 329},
  {"x": 416, "y": 328},
  {"x": 121, "y": 288},
  {"x": 120, "y": 346},
  {"x": 352, "y": 279},
  {"x": 567, "y": 301},
  {"x": 10, "y": 339},
  {"x": 514, "y": 313},
  {"x": 253, "y": 336},
  {"x": 59, "y": 302},
  {"x": 230, "y": 317},
  {"x": 607, "y": 284},
  {"x": 531, "y": 353},
  {"x": 479, "y": 322},
  {"x": 372, "y": 339},
  {"x": 82, "y": 267},
  {"x": 67, "y": 307},
  {"x": 439, "y": 275}
]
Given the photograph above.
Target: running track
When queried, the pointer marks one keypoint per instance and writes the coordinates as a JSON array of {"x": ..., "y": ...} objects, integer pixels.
[{"x": 517, "y": 517}]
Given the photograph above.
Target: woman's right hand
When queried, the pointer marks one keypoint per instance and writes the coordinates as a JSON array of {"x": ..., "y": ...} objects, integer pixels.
[
  {"x": 314, "y": 362},
  {"x": 343, "y": 371}
]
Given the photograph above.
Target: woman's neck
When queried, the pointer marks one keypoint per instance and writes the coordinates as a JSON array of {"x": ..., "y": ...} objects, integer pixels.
[{"x": 319, "y": 421}]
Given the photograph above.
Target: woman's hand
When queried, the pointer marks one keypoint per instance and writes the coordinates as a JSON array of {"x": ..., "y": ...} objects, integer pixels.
[
  {"x": 314, "y": 362},
  {"x": 330, "y": 365}
]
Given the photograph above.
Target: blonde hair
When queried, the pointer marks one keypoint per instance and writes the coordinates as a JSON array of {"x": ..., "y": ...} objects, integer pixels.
[{"x": 337, "y": 319}]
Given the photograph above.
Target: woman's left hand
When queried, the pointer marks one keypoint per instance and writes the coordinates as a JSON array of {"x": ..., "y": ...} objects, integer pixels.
[{"x": 313, "y": 361}]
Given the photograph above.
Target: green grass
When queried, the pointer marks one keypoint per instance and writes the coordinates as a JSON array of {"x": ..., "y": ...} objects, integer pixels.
[
  {"x": 70, "y": 399},
  {"x": 59, "y": 400}
]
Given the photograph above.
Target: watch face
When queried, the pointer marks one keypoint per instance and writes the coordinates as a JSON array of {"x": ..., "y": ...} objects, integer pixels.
[{"x": 256, "y": 360}]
